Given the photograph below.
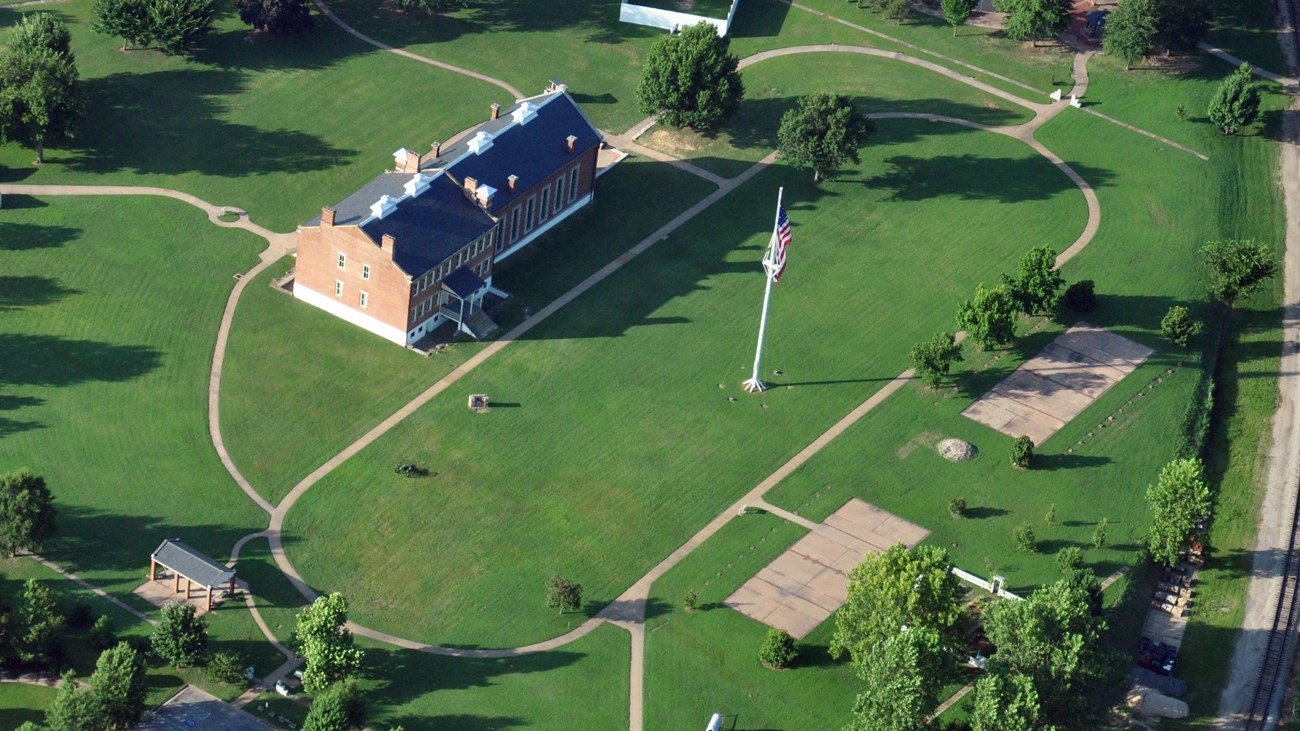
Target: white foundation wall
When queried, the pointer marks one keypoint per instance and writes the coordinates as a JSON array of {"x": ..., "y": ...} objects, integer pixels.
[{"x": 336, "y": 308}]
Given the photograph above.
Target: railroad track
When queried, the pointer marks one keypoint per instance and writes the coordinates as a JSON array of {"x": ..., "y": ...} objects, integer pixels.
[{"x": 1275, "y": 666}]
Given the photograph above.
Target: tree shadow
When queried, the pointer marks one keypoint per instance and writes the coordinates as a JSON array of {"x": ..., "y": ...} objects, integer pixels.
[
  {"x": 46, "y": 360},
  {"x": 27, "y": 236},
  {"x": 163, "y": 134},
  {"x": 30, "y": 291},
  {"x": 1000, "y": 179},
  {"x": 981, "y": 513},
  {"x": 1053, "y": 462}
]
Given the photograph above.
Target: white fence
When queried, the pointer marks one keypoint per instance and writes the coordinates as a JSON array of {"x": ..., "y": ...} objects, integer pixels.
[
  {"x": 669, "y": 19},
  {"x": 997, "y": 586}
]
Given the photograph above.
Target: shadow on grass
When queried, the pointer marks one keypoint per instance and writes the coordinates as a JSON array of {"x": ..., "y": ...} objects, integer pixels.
[
  {"x": 759, "y": 19},
  {"x": 1005, "y": 180},
  {"x": 985, "y": 512},
  {"x": 30, "y": 291},
  {"x": 47, "y": 360},
  {"x": 25, "y": 236}
]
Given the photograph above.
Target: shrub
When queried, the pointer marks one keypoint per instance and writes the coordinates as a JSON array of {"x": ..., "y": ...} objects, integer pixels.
[
  {"x": 778, "y": 651},
  {"x": 226, "y": 667},
  {"x": 689, "y": 601},
  {"x": 1022, "y": 452},
  {"x": 1081, "y": 296},
  {"x": 103, "y": 634},
  {"x": 563, "y": 594},
  {"x": 957, "y": 507},
  {"x": 1069, "y": 559},
  {"x": 1026, "y": 541},
  {"x": 1099, "y": 534},
  {"x": 1050, "y": 518},
  {"x": 1178, "y": 326}
]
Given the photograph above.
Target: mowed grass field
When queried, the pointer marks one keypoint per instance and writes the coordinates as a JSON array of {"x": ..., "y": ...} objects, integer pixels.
[
  {"x": 111, "y": 307},
  {"x": 875, "y": 84},
  {"x": 277, "y": 126},
  {"x": 20, "y": 703},
  {"x": 615, "y": 441},
  {"x": 290, "y": 402}
]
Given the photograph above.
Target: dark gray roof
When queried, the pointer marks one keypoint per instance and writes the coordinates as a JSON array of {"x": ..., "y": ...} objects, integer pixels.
[
  {"x": 431, "y": 226},
  {"x": 532, "y": 151},
  {"x": 191, "y": 564},
  {"x": 463, "y": 282},
  {"x": 356, "y": 208}
]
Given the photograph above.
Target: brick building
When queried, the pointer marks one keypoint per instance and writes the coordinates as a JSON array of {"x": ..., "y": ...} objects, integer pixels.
[{"x": 415, "y": 247}]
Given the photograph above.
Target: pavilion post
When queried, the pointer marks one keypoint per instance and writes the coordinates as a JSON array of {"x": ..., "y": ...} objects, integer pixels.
[
  {"x": 176, "y": 583},
  {"x": 153, "y": 569},
  {"x": 189, "y": 587},
  {"x": 209, "y": 599}
]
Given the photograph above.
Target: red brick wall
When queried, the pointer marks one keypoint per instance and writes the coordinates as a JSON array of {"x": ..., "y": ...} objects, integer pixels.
[
  {"x": 388, "y": 288},
  {"x": 586, "y": 163}
]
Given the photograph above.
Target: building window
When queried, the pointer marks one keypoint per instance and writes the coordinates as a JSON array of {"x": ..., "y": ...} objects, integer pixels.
[
  {"x": 559, "y": 194},
  {"x": 514, "y": 226},
  {"x": 338, "y": 288},
  {"x": 545, "y": 208},
  {"x": 365, "y": 272},
  {"x": 343, "y": 260},
  {"x": 528, "y": 215},
  {"x": 365, "y": 299},
  {"x": 573, "y": 182}
]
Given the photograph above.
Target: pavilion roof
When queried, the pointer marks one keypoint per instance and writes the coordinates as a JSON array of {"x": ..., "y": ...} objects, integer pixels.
[{"x": 190, "y": 563}]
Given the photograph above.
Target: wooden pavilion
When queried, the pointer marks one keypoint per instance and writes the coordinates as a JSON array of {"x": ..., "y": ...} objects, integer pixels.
[{"x": 185, "y": 562}]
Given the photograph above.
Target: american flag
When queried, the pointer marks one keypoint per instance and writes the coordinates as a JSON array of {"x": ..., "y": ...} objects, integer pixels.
[{"x": 780, "y": 240}]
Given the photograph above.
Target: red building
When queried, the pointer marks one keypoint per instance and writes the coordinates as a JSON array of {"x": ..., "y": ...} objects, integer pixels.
[{"x": 415, "y": 247}]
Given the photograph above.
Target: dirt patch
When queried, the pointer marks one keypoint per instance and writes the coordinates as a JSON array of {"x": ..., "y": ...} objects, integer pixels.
[{"x": 924, "y": 439}]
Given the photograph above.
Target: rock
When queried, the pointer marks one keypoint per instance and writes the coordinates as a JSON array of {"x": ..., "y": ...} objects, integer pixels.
[{"x": 955, "y": 450}]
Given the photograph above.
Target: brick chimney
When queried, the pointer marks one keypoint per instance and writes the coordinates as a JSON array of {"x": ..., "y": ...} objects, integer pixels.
[
  {"x": 512, "y": 180},
  {"x": 571, "y": 140},
  {"x": 436, "y": 148},
  {"x": 412, "y": 163},
  {"x": 387, "y": 244},
  {"x": 496, "y": 110},
  {"x": 471, "y": 186},
  {"x": 326, "y": 217}
]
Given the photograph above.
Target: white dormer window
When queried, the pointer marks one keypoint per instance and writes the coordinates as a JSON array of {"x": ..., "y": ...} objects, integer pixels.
[
  {"x": 524, "y": 113},
  {"x": 382, "y": 207},
  {"x": 480, "y": 142},
  {"x": 484, "y": 194},
  {"x": 417, "y": 185},
  {"x": 400, "y": 157}
]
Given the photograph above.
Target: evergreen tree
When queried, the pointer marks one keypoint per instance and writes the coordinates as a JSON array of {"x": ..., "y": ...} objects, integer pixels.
[
  {"x": 1236, "y": 102},
  {"x": 120, "y": 683},
  {"x": 177, "y": 26}
]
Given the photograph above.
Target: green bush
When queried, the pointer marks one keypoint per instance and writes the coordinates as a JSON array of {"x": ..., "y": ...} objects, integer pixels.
[
  {"x": 1069, "y": 559},
  {"x": 778, "y": 651},
  {"x": 1081, "y": 296},
  {"x": 957, "y": 507},
  {"x": 1177, "y": 326},
  {"x": 1022, "y": 452},
  {"x": 690, "y": 600},
  {"x": 226, "y": 667},
  {"x": 1026, "y": 541},
  {"x": 103, "y": 634}
]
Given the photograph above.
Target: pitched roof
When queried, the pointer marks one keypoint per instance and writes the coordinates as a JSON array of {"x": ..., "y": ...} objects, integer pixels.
[
  {"x": 532, "y": 151},
  {"x": 431, "y": 226},
  {"x": 463, "y": 282},
  {"x": 191, "y": 564}
]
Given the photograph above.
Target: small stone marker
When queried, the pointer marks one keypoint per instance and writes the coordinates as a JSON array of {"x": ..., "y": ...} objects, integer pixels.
[
  {"x": 1056, "y": 95},
  {"x": 1074, "y": 102}
]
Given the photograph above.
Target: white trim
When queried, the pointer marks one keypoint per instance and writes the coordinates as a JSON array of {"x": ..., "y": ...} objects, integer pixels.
[
  {"x": 344, "y": 312},
  {"x": 629, "y": 12},
  {"x": 547, "y": 226}
]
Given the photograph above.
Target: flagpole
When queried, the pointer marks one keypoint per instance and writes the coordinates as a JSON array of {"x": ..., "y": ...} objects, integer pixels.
[{"x": 755, "y": 383}]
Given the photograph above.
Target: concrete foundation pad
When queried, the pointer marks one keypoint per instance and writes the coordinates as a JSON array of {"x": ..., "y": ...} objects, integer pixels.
[{"x": 803, "y": 586}]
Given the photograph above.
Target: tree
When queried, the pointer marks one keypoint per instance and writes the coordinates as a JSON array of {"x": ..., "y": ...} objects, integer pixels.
[
  {"x": 41, "y": 30},
  {"x": 778, "y": 651},
  {"x": 1099, "y": 534},
  {"x": 1236, "y": 102},
  {"x": 990, "y": 317},
  {"x": 1050, "y": 518},
  {"x": 322, "y": 638},
  {"x": 277, "y": 17},
  {"x": 1005, "y": 702},
  {"x": 823, "y": 133},
  {"x": 1179, "y": 500},
  {"x": 897, "y": 10},
  {"x": 103, "y": 634},
  {"x": 691, "y": 79},
  {"x": 181, "y": 636},
  {"x": 39, "y": 97},
  {"x": 1131, "y": 31},
  {"x": 226, "y": 667},
  {"x": 430, "y": 7},
  {"x": 957, "y": 12},
  {"x": 39, "y": 622},
  {"x": 125, "y": 19},
  {"x": 1053, "y": 638},
  {"x": 957, "y": 507},
  {"x": 1026, "y": 540},
  {"x": 903, "y": 678},
  {"x": 691, "y": 599},
  {"x": 897, "y": 588},
  {"x": 1034, "y": 19},
  {"x": 563, "y": 594},
  {"x": 177, "y": 26},
  {"x": 27, "y": 514},
  {"x": 1036, "y": 287},
  {"x": 1236, "y": 268},
  {"x": 1022, "y": 452},
  {"x": 339, "y": 708},
  {"x": 119, "y": 681},
  {"x": 75, "y": 708},
  {"x": 1069, "y": 559},
  {"x": 933, "y": 358},
  {"x": 1182, "y": 23},
  {"x": 1177, "y": 326}
]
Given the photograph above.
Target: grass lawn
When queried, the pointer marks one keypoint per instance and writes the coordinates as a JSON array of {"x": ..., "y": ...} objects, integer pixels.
[
  {"x": 277, "y": 601},
  {"x": 876, "y": 84},
  {"x": 268, "y": 363},
  {"x": 20, "y": 703},
  {"x": 242, "y": 123},
  {"x": 111, "y": 313},
  {"x": 1247, "y": 29},
  {"x": 581, "y": 685},
  {"x": 622, "y": 437}
]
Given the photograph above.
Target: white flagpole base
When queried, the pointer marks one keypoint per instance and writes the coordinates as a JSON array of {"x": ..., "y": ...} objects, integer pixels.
[{"x": 754, "y": 385}]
